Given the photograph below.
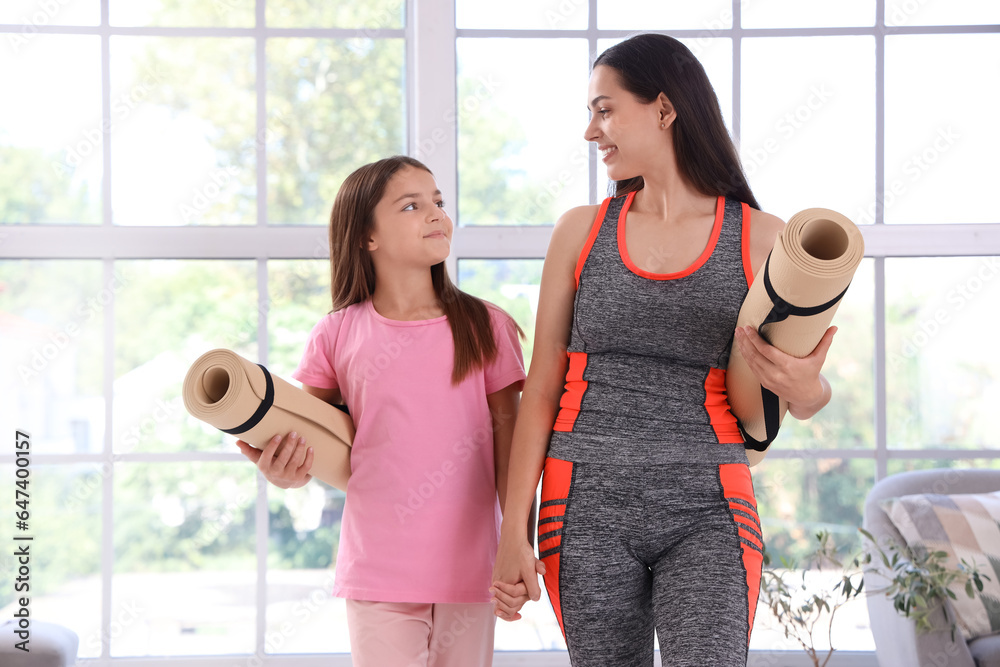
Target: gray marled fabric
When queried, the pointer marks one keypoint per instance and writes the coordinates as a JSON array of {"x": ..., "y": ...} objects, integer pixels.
[
  {"x": 653, "y": 546},
  {"x": 650, "y": 345}
]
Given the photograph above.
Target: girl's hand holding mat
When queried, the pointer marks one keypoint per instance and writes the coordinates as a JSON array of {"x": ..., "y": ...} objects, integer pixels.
[
  {"x": 244, "y": 399},
  {"x": 284, "y": 462},
  {"x": 796, "y": 380}
]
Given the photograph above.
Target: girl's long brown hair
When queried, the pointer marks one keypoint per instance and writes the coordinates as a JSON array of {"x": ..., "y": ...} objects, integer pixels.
[
  {"x": 650, "y": 64},
  {"x": 352, "y": 272}
]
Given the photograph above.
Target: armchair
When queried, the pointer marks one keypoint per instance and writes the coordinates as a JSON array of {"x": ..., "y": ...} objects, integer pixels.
[{"x": 897, "y": 642}]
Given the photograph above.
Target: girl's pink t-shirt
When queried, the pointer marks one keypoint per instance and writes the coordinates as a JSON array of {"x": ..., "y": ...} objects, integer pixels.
[{"x": 421, "y": 520}]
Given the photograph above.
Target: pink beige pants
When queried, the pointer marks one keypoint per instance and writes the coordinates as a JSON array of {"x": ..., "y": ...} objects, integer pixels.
[{"x": 406, "y": 634}]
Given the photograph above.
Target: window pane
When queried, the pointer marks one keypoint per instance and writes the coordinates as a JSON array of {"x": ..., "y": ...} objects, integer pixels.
[
  {"x": 35, "y": 14},
  {"x": 808, "y": 134},
  {"x": 52, "y": 351},
  {"x": 369, "y": 14},
  {"x": 807, "y": 14},
  {"x": 332, "y": 106},
  {"x": 167, "y": 314},
  {"x": 222, "y": 13},
  {"x": 51, "y": 152},
  {"x": 304, "y": 529},
  {"x": 716, "y": 56},
  {"x": 511, "y": 284},
  {"x": 65, "y": 524},
  {"x": 521, "y": 154},
  {"x": 664, "y": 15},
  {"x": 942, "y": 384},
  {"x": 941, "y": 135},
  {"x": 956, "y": 12},
  {"x": 304, "y": 523},
  {"x": 298, "y": 298},
  {"x": 797, "y": 499},
  {"x": 183, "y": 122},
  {"x": 523, "y": 15},
  {"x": 185, "y": 563},
  {"x": 848, "y": 421}
]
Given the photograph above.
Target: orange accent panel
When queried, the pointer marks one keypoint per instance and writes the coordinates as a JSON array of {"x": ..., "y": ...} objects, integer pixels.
[
  {"x": 737, "y": 483},
  {"x": 748, "y": 510},
  {"x": 549, "y": 543},
  {"x": 750, "y": 537},
  {"x": 748, "y": 522},
  {"x": 747, "y": 267},
  {"x": 552, "y": 587},
  {"x": 556, "y": 479},
  {"x": 548, "y": 528},
  {"x": 572, "y": 397},
  {"x": 717, "y": 405},
  {"x": 594, "y": 229},
  {"x": 720, "y": 209},
  {"x": 551, "y": 510},
  {"x": 753, "y": 561}
]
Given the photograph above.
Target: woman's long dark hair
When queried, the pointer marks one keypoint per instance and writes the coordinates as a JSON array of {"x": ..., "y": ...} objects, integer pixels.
[
  {"x": 650, "y": 64},
  {"x": 352, "y": 271}
]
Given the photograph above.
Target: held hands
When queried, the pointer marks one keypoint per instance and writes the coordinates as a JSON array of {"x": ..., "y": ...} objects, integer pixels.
[
  {"x": 515, "y": 578},
  {"x": 507, "y": 599},
  {"x": 798, "y": 381},
  {"x": 285, "y": 462}
]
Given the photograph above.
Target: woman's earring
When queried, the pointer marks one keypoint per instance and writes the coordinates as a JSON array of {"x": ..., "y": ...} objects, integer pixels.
[{"x": 661, "y": 126}]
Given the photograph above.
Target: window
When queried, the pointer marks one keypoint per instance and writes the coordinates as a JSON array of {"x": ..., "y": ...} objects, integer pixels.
[{"x": 169, "y": 169}]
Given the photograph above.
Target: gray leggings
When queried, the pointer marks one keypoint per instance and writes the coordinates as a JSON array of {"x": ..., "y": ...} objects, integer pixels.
[{"x": 629, "y": 549}]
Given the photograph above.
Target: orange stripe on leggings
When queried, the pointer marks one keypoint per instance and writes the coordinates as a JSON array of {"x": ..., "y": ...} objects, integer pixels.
[
  {"x": 717, "y": 406},
  {"x": 572, "y": 397},
  {"x": 736, "y": 483},
  {"x": 556, "y": 479}
]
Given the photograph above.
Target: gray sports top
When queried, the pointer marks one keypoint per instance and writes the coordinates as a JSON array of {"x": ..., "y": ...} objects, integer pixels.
[{"x": 648, "y": 352}]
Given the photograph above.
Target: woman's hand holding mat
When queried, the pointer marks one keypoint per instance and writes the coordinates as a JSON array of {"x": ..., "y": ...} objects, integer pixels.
[
  {"x": 244, "y": 399},
  {"x": 786, "y": 375},
  {"x": 790, "y": 305}
]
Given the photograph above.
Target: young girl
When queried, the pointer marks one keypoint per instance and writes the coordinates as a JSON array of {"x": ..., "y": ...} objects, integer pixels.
[
  {"x": 648, "y": 518},
  {"x": 432, "y": 378}
]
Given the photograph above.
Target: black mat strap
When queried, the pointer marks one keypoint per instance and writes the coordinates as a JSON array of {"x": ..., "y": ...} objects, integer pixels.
[
  {"x": 265, "y": 405},
  {"x": 780, "y": 310}
]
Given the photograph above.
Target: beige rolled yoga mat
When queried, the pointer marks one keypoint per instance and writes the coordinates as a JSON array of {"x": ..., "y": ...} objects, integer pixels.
[
  {"x": 243, "y": 399},
  {"x": 791, "y": 303}
]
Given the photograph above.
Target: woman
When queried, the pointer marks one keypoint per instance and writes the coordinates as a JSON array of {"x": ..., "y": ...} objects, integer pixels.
[{"x": 648, "y": 517}]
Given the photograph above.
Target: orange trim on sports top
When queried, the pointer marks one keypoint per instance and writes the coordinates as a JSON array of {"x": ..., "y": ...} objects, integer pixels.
[
  {"x": 737, "y": 484},
  {"x": 747, "y": 266},
  {"x": 720, "y": 209},
  {"x": 572, "y": 397},
  {"x": 555, "y": 490},
  {"x": 595, "y": 227},
  {"x": 717, "y": 405}
]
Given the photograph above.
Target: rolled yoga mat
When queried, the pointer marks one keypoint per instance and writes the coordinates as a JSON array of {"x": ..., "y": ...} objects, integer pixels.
[
  {"x": 791, "y": 303},
  {"x": 242, "y": 398}
]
